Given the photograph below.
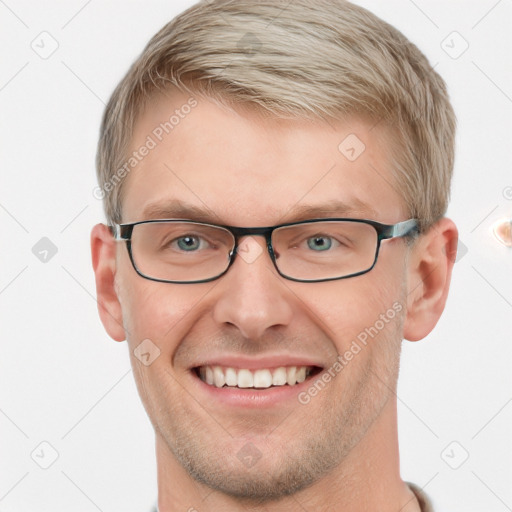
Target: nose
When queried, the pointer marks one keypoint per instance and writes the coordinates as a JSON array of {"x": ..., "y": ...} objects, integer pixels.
[{"x": 253, "y": 297}]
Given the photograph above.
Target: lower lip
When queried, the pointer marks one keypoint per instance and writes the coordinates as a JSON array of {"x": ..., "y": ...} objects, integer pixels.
[{"x": 251, "y": 397}]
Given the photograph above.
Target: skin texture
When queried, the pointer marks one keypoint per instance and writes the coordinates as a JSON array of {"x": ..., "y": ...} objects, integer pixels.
[{"x": 340, "y": 450}]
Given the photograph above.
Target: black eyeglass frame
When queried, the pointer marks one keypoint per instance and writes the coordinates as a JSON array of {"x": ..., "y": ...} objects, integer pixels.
[{"x": 410, "y": 227}]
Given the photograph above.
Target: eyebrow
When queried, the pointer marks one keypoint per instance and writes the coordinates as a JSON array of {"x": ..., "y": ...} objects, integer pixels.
[
  {"x": 334, "y": 208},
  {"x": 176, "y": 209}
]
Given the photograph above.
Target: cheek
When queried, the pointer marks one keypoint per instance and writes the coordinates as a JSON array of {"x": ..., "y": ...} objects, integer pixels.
[
  {"x": 161, "y": 312},
  {"x": 363, "y": 307}
]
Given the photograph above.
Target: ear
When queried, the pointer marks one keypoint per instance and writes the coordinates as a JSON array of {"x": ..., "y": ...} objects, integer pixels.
[
  {"x": 429, "y": 274},
  {"x": 103, "y": 251}
]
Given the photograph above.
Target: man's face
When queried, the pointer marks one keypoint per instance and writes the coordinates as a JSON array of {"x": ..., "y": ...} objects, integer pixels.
[{"x": 245, "y": 171}]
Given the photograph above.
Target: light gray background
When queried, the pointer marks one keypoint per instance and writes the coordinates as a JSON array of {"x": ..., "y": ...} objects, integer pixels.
[{"x": 64, "y": 382}]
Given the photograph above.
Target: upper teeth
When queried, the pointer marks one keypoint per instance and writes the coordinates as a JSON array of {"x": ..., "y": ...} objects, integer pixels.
[{"x": 263, "y": 378}]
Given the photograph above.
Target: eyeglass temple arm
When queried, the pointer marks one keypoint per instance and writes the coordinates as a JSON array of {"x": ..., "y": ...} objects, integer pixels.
[
  {"x": 116, "y": 230},
  {"x": 407, "y": 227}
]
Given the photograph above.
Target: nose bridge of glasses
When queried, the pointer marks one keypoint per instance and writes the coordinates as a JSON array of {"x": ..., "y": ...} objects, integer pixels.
[
  {"x": 240, "y": 233},
  {"x": 247, "y": 247},
  {"x": 261, "y": 231}
]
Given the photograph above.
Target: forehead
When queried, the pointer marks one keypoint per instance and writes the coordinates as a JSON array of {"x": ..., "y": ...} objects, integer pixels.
[{"x": 240, "y": 168}]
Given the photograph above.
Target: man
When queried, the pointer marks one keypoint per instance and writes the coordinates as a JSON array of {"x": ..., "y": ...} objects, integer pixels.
[{"x": 276, "y": 176}]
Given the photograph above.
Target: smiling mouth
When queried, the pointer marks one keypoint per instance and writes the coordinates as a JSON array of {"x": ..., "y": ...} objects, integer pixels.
[{"x": 263, "y": 378}]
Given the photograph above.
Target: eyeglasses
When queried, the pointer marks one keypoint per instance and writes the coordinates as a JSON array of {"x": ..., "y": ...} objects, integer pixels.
[{"x": 178, "y": 251}]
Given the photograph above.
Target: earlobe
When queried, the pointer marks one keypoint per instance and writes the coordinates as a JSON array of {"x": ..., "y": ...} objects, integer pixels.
[
  {"x": 103, "y": 252},
  {"x": 429, "y": 274}
]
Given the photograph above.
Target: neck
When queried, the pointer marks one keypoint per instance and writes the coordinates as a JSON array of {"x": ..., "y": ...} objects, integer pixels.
[{"x": 367, "y": 479}]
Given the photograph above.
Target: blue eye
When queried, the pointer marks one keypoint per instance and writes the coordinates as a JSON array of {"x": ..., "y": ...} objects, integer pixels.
[
  {"x": 320, "y": 243},
  {"x": 188, "y": 243}
]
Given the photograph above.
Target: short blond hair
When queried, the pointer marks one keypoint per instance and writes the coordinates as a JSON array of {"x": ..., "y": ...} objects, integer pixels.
[{"x": 305, "y": 59}]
